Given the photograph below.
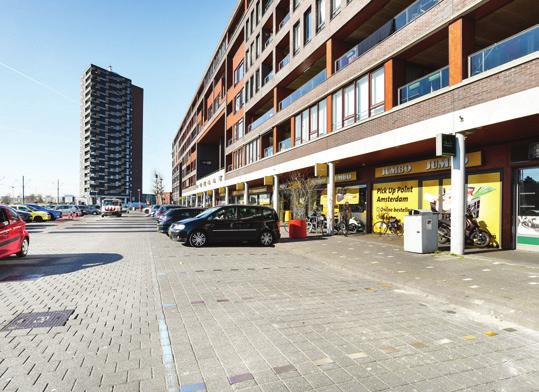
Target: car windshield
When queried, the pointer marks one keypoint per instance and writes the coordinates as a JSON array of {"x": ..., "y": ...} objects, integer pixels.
[
  {"x": 111, "y": 203},
  {"x": 31, "y": 208},
  {"x": 208, "y": 212}
]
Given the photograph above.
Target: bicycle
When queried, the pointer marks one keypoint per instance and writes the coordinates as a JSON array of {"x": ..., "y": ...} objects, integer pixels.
[{"x": 388, "y": 224}]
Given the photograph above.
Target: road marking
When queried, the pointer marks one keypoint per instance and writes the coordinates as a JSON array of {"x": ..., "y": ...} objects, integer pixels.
[{"x": 474, "y": 286}]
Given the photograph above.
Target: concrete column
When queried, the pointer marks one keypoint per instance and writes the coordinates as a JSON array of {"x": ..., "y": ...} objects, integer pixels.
[
  {"x": 226, "y": 195},
  {"x": 245, "y": 193},
  {"x": 458, "y": 196},
  {"x": 331, "y": 196},
  {"x": 204, "y": 199},
  {"x": 276, "y": 194},
  {"x": 213, "y": 198},
  {"x": 196, "y": 200}
]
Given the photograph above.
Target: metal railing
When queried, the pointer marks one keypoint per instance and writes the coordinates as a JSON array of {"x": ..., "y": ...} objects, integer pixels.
[
  {"x": 285, "y": 144},
  {"x": 512, "y": 48},
  {"x": 412, "y": 12},
  {"x": 268, "y": 151},
  {"x": 425, "y": 85},
  {"x": 284, "y": 62},
  {"x": 311, "y": 84},
  {"x": 284, "y": 21},
  {"x": 260, "y": 120}
]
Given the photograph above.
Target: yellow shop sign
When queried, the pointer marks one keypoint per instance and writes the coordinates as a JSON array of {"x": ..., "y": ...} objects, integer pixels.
[{"x": 425, "y": 166}]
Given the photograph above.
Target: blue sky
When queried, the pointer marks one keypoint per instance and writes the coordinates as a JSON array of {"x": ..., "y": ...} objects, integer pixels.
[{"x": 162, "y": 46}]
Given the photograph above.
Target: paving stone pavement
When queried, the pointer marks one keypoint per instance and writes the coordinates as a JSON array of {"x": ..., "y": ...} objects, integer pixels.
[{"x": 154, "y": 315}]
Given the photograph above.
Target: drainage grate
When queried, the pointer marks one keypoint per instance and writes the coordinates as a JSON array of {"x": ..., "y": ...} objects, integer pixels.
[{"x": 39, "y": 320}]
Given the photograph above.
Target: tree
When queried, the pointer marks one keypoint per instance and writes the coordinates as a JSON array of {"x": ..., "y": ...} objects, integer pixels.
[
  {"x": 158, "y": 187},
  {"x": 6, "y": 199},
  {"x": 300, "y": 189}
]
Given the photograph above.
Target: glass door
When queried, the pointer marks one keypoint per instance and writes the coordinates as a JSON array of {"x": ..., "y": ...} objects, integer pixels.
[{"x": 528, "y": 209}]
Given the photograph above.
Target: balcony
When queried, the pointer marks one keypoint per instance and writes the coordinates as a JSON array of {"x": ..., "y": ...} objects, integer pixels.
[
  {"x": 284, "y": 62},
  {"x": 414, "y": 11},
  {"x": 268, "y": 152},
  {"x": 267, "y": 79},
  {"x": 284, "y": 21},
  {"x": 510, "y": 49},
  {"x": 425, "y": 85},
  {"x": 260, "y": 120},
  {"x": 285, "y": 144},
  {"x": 267, "y": 42},
  {"x": 300, "y": 92}
]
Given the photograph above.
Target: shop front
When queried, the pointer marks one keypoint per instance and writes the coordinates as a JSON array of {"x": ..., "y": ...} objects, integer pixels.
[
  {"x": 426, "y": 184},
  {"x": 260, "y": 196}
]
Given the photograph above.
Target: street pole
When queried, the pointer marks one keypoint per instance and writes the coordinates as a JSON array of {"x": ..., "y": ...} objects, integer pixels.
[
  {"x": 276, "y": 194},
  {"x": 22, "y": 189},
  {"x": 58, "y": 192},
  {"x": 139, "y": 206},
  {"x": 458, "y": 196},
  {"x": 331, "y": 196}
]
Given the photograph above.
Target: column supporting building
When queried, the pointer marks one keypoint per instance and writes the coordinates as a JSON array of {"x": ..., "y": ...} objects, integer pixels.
[
  {"x": 331, "y": 196},
  {"x": 458, "y": 196}
]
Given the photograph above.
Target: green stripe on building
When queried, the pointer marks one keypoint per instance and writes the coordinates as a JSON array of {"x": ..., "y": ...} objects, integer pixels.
[{"x": 528, "y": 240}]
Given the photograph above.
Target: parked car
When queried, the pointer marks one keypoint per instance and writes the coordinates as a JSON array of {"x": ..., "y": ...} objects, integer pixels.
[
  {"x": 68, "y": 209},
  {"x": 37, "y": 216},
  {"x": 55, "y": 214},
  {"x": 89, "y": 210},
  {"x": 25, "y": 216},
  {"x": 14, "y": 239},
  {"x": 153, "y": 209},
  {"x": 233, "y": 223},
  {"x": 175, "y": 215},
  {"x": 164, "y": 208}
]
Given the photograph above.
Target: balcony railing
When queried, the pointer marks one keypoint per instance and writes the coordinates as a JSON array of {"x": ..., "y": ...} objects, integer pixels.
[
  {"x": 285, "y": 144},
  {"x": 284, "y": 21},
  {"x": 267, "y": 79},
  {"x": 284, "y": 62},
  {"x": 260, "y": 120},
  {"x": 268, "y": 151},
  {"x": 512, "y": 48},
  {"x": 414, "y": 11},
  {"x": 425, "y": 85},
  {"x": 311, "y": 84}
]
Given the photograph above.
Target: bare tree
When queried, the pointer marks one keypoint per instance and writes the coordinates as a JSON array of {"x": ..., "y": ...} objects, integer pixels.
[
  {"x": 5, "y": 199},
  {"x": 300, "y": 189},
  {"x": 158, "y": 187}
]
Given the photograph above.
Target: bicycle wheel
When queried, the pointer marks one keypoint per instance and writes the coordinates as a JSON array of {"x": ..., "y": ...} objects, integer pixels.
[{"x": 380, "y": 228}]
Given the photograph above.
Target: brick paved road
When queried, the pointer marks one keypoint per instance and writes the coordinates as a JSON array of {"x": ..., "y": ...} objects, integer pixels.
[{"x": 153, "y": 315}]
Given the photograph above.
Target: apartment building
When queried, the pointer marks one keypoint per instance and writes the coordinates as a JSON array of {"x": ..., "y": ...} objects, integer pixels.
[
  {"x": 110, "y": 136},
  {"x": 359, "y": 89}
]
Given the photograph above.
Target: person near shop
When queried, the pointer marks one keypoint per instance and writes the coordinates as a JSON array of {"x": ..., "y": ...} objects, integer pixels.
[{"x": 344, "y": 216}]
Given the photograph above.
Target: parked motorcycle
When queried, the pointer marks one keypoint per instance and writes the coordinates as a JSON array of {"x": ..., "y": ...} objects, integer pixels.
[{"x": 474, "y": 234}]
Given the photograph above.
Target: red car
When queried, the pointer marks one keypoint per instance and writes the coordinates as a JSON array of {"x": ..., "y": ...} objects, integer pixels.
[{"x": 14, "y": 239}]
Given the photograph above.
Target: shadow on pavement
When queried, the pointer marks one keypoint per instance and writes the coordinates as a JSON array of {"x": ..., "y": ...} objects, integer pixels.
[{"x": 36, "y": 266}]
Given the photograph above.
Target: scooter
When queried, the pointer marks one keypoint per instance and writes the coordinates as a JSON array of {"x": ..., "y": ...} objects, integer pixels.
[{"x": 474, "y": 234}]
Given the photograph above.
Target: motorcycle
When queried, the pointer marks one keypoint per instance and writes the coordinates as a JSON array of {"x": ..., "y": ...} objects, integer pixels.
[{"x": 473, "y": 233}]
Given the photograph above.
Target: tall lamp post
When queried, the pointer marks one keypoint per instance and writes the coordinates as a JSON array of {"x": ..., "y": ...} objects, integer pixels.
[{"x": 139, "y": 205}]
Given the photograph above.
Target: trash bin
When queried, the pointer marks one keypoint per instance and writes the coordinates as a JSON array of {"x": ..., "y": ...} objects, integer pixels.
[{"x": 421, "y": 231}]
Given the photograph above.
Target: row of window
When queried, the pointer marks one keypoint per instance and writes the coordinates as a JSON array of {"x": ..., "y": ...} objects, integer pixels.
[{"x": 246, "y": 154}]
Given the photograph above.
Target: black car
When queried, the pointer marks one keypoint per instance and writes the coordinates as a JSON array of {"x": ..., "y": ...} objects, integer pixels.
[
  {"x": 175, "y": 215},
  {"x": 25, "y": 216},
  {"x": 89, "y": 210},
  {"x": 232, "y": 223}
]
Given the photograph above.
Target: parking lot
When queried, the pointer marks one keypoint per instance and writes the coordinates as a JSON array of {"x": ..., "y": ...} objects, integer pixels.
[{"x": 149, "y": 314}]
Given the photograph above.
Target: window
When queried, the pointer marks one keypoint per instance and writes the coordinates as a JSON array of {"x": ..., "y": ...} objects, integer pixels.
[
  {"x": 335, "y": 7},
  {"x": 238, "y": 73},
  {"x": 248, "y": 212},
  {"x": 322, "y": 117},
  {"x": 320, "y": 14},
  {"x": 362, "y": 93},
  {"x": 238, "y": 101},
  {"x": 314, "y": 122},
  {"x": 226, "y": 213},
  {"x": 337, "y": 109},
  {"x": 305, "y": 126},
  {"x": 296, "y": 38},
  {"x": 296, "y": 3},
  {"x": 377, "y": 91},
  {"x": 257, "y": 46},
  {"x": 349, "y": 105},
  {"x": 307, "y": 27},
  {"x": 297, "y": 127}
]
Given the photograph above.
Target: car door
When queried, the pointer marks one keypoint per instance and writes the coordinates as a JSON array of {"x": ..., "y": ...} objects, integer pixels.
[
  {"x": 249, "y": 220},
  {"x": 4, "y": 233},
  {"x": 15, "y": 235},
  {"x": 221, "y": 225}
]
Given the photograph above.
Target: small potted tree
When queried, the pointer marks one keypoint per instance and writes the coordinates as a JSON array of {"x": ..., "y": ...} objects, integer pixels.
[{"x": 300, "y": 189}]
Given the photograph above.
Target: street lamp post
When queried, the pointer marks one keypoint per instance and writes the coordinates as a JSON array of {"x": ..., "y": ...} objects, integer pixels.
[{"x": 139, "y": 205}]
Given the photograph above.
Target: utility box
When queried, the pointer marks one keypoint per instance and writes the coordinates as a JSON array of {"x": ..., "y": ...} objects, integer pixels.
[{"x": 421, "y": 232}]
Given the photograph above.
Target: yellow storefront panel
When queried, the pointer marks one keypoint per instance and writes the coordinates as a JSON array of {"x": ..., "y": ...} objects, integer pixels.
[{"x": 394, "y": 199}]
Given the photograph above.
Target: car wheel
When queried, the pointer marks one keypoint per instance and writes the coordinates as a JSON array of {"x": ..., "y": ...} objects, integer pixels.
[
  {"x": 24, "y": 248},
  {"x": 198, "y": 239},
  {"x": 266, "y": 238},
  {"x": 38, "y": 219}
]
